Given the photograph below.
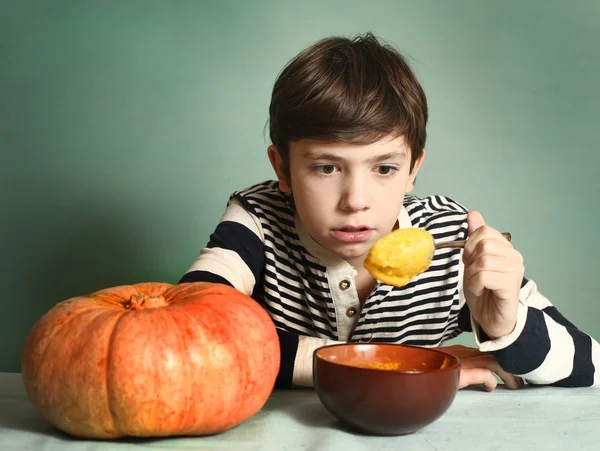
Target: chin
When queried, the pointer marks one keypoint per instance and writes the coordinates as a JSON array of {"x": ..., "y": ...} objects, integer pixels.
[{"x": 360, "y": 250}]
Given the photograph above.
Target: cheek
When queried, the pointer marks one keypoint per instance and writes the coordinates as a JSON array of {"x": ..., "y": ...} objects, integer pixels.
[
  {"x": 389, "y": 199},
  {"x": 393, "y": 189},
  {"x": 314, "y": 202},
  {"x": 310, "y": 189}
]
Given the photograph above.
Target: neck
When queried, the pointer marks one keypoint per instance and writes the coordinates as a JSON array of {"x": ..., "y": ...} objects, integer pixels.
[{"x": 357, "y": 263}]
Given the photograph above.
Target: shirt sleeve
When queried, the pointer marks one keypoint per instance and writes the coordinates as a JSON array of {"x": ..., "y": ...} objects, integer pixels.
[
  {"x": 234, "y": 256},
  {"x": 302, "y": 375},
  {"x": 545, "y": 348}
]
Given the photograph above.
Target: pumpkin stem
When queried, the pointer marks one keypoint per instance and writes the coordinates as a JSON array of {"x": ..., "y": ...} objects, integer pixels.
[{"x": 143, "y": 302}]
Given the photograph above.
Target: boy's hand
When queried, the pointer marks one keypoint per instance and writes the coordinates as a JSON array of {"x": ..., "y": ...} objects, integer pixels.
[
  {"x": 493, "y": 274},
  {"x": 478, "y": 367}
]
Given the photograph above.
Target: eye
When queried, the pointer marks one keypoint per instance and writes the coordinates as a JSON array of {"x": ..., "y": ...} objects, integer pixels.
[
  {"x": 325, "y": 169},
  {"x": 386, "y": 170}
]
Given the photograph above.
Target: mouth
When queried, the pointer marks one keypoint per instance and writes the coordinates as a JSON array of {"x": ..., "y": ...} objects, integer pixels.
[
  {"x": 352, "y": 234},
  {"x": 351, "y": 229}
]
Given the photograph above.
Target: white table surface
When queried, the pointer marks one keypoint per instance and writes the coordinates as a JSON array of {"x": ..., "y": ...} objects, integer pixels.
[{"x": 532, "y": 418}]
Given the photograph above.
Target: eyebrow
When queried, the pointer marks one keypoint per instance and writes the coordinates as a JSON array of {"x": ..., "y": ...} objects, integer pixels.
[{"x": 377, "y": 159}]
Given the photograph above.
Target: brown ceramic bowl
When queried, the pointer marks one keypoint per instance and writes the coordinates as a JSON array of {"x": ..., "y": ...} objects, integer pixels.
[{"x": 385, "y": 389}]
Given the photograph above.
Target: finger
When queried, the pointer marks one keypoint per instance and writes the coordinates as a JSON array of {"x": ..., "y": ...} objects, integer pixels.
[
  {"x": 494, "y": 244},
  {"x": 496, "y": 263},
  {"x": 480, "y": 370},
  {"x": 477, "y": 229},
  {"x": 511, "y": 381},
  {"x": 474, "y": 373},
  {"x": 497, "y": 267},
  {"x": 478, "y": 280},
  {"x": 486, "y": 240},
  {"x": 472, "y": 376},
  {"x": 474, "y": 221}
]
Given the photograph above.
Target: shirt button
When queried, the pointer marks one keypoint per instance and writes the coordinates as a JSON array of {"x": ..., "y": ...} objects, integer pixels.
[
  {"x": 344, "y": 284},
  {"x": 350, "y": 312}
]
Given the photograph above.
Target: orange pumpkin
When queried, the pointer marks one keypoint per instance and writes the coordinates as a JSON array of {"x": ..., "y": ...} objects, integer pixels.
[{"x": 151, "y": 359}]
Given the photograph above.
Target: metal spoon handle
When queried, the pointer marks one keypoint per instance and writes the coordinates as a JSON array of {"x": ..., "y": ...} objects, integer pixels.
[{"x": 461, "y": 243}]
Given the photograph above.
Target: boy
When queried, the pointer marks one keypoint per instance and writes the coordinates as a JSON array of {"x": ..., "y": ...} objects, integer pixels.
[{"x": 348, "y": 127}]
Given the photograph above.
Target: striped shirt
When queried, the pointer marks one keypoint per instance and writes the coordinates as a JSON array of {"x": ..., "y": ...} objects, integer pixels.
[{"x": 261, "y": 247}]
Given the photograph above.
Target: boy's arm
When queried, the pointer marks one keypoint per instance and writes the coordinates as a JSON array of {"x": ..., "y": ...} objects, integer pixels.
[
  {"x": 511, "y": 319},
  {"x": 235, "y": 256},
  {"x": 544, "y": 347},
  {"x": 297, "y": 366}
]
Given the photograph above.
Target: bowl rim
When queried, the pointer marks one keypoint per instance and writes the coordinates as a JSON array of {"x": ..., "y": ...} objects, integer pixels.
[{"x": 454, "y": 366}]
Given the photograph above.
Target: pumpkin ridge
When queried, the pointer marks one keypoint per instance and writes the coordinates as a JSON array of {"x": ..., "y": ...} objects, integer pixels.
[
  {"x": 169, "y": 314},
  {"x": 188, "y": 289},
  {"x": 55, "y": 331},
  {"x": 212, "y": 309},
  {"x": 111, "y": 339},
  {"x": 190, "y": 406},
  {"x": 239, "y": 301}
]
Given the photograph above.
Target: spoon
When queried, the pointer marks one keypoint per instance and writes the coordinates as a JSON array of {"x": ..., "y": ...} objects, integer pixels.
[
  {"x": 405, "y": 253},
  {"x": 459, "y": 244}
]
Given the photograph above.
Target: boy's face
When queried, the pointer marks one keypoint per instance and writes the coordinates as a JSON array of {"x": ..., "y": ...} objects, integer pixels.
[{"x": 348, "y": 195}]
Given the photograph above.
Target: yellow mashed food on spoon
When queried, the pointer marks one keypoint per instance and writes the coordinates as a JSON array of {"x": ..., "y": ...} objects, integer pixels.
[{"x": 400, "y": 255}]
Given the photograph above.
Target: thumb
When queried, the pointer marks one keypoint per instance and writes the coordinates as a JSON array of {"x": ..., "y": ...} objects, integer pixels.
[{"x": 474, "y": 221}]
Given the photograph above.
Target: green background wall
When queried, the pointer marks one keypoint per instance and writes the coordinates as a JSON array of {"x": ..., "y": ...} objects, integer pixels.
[{"x": 124, "y": 126}]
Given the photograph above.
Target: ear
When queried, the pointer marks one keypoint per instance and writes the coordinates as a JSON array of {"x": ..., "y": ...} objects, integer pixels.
[
  {"x": 278, "y": 167},
  {"x": 413, "y": 175}
]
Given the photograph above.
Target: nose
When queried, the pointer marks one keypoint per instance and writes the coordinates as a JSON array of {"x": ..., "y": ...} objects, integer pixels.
[{"x": 355, "y": 194}]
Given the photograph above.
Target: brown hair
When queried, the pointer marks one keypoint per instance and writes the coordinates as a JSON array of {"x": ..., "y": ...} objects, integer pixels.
[{"x": 348, "y": 90}]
